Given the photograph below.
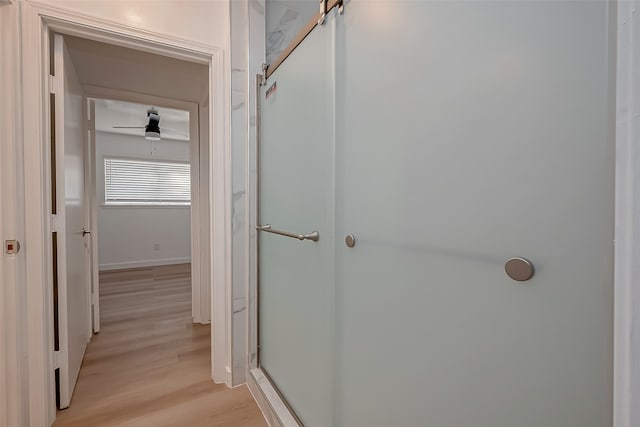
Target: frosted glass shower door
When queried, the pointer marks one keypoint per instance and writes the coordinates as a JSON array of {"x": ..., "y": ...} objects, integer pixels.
[
  {"x": 296, "y": 277},
  {"x": 469, "y": 133}
]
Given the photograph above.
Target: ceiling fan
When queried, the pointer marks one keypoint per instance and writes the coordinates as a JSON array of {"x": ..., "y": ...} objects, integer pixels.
[{"x": 152, "y": 128}]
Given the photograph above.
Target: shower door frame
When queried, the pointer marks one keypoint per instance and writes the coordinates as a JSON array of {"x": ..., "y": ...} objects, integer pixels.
[
  {"x": 273, "y": 406},
  {"x": 625, "y": 27}
]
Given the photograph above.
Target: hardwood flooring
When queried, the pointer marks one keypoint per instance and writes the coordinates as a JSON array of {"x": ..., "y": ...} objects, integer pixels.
[{"x": 150, "y": 366}]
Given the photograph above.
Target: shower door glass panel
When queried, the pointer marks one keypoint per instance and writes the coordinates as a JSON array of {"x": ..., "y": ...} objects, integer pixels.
[
  {"x": 297, "y": 195},
  {"x": 469, "y": 133}
]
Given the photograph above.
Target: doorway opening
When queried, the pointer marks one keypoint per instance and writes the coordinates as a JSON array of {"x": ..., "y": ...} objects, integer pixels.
[
  {"x": 39, "y": 23},
  {"x": 130, "y": 158}
]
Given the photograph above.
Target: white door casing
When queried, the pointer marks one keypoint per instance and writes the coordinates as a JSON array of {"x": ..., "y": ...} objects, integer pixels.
[{"x": 70, "y": 215}]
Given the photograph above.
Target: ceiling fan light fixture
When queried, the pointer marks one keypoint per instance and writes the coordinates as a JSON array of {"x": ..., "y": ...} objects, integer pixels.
[
  {"x": 152, "y": 136},
  {"x": 152, "y": 129}
]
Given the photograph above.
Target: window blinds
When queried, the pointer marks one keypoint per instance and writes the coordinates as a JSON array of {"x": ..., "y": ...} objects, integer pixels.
[{"x": 146, "y": 182}]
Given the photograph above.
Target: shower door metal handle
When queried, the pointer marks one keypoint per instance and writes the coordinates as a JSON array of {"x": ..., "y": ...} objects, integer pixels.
[
  {"x": 519, "y": 269},
  {"x": 314, "y": 236}
]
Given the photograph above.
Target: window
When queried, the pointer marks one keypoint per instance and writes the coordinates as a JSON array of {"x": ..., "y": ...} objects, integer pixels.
[{"x": 146, "y": 182}]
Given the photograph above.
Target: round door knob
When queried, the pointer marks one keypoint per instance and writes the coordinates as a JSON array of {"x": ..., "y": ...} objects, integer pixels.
[
  {"x": 519, "y": 269},
  {"x": 350, "y": 241}
]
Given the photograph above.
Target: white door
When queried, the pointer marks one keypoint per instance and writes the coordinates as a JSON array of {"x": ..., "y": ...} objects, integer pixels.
[
  {"x": 90, "y": 196},
  {"x": 74, "y": 326}
]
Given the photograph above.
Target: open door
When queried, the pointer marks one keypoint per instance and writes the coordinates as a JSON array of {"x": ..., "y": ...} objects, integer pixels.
[
  {"x": 70, "y": 235},
  {"x": 90, "y": 193}
]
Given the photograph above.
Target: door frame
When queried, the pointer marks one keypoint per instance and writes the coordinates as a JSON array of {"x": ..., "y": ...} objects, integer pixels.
[
  {"x": 13, "y": 410},
  {"x": 37, "y": 21},
  {"x": 200, "y": 286}
]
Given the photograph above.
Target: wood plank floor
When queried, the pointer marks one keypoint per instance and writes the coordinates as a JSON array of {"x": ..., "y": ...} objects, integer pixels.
[{"x": 150, "y": 366}]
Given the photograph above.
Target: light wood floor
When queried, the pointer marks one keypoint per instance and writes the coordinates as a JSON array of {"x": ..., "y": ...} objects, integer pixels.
[{"x": 150, "y": 366}]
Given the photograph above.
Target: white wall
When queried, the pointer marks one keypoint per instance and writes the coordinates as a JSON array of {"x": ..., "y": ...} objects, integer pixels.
[
  {"x": 127, "y": 234},
  {"x": 195, "y": 20},
  {"x": 13, "y": 341}
]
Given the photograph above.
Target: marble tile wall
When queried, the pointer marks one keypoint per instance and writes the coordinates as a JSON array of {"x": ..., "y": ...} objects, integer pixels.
[
  {"x": 247, "y": 56},
  {"x": 284, "y": 19},
  {"x": 258, "y": 28},
  {"x": 239, "y": 129}
]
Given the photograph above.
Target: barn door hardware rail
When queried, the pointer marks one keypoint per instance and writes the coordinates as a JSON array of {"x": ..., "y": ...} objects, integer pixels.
[
  {"x": 317, "y": 20},
  {"x": 323, "y": 12}
]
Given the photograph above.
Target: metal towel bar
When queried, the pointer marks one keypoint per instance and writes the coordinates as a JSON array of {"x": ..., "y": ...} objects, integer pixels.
[{"x": 313, "y": 236}]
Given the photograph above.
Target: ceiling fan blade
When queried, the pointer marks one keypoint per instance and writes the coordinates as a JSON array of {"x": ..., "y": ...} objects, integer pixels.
[
  {"x": 173, "y": 131},
  {"x": 128, "y": 127}
]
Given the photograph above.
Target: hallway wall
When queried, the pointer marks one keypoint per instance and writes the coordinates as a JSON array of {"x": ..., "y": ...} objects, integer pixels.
[
  {"x": 128, "y": 235},
  {"x": 13, "y": 341},
  {"x": 200, "y": 21}
]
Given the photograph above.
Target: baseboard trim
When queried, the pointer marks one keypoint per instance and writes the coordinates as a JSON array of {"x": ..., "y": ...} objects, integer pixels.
[
  {"x": 143, "y": 263},
  {"x": 273, "y": 408}
]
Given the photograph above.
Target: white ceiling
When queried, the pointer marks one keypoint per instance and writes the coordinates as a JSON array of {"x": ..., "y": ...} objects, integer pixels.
[
  {"x": 111, "y": 113},
  {"x": 131, "y": 70}
]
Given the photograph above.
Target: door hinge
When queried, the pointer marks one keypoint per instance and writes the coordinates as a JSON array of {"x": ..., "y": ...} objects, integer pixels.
[
  {"x": 54, "y": 222},
  {"x": 56, "y": 359},
  {"x": 54, "y": 84}
]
